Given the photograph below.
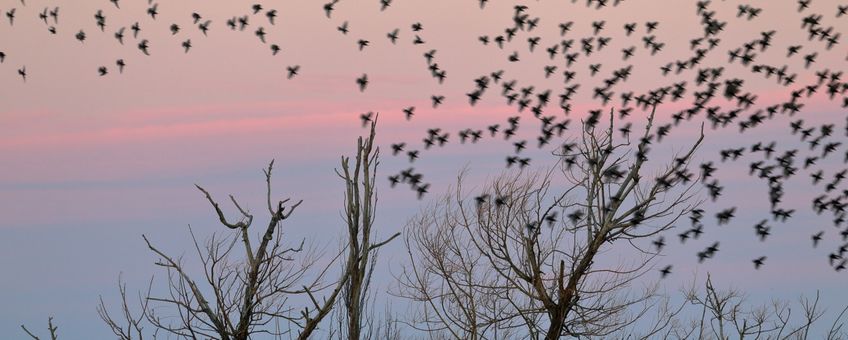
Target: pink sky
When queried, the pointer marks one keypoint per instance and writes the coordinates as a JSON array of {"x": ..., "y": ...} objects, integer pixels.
[{"x": 88, "y": 158}]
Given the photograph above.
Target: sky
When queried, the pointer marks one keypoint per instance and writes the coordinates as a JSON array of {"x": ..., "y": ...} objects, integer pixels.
[{"x": 90, "y": 163}]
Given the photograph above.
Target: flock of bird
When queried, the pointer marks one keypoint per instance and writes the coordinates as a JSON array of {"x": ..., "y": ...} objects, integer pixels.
[{"x": 712, "y": 95}]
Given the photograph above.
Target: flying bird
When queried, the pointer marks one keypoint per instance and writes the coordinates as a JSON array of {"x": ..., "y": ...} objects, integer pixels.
[
  {"x": 362, "y": 82},
  {"x": 143, "y": 47},
  {"x": 292, "y": 71}
]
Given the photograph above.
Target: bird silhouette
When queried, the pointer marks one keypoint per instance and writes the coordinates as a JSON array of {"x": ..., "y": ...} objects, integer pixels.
[
  {"x": 758, "y": 262},
  {"x": 409, "y": 112},
  {"x": 362, "y": 82},
  {"x": 665, "y": 271},
  {"x": 143, "y": 47},
  {"x": 292, "y": 71},
  {"x": 328, "y": 7}
]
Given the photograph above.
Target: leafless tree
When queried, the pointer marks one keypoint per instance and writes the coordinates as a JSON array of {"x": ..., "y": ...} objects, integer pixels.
[
  {"x": 360, "y": 211},
  {"x": 522, "y": 257},
  {"x": 726, "y": 314},
  {"x": 247, "y": 283},
  {"x": 50, "y": 328}
]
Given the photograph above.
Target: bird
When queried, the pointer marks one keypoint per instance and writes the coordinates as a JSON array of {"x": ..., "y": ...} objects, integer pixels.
[
  {"x": 23, "y": 73},
  {"x": 275, "y": 49},
  {"x": 143, "y": 46},
  {"x": 393, "y": 35},
  {"x": 343, "y": 28},
  {"x": 659, "y": 243},
  {"x": 271, "y": 15},
  {"x": 328, "y": 8},
  {"x": 817, "y": 238},
  {"x": 102, "y": 70},
  {"x": 362, "y": 82},
  {"x": 153, "y": 11},
  {"x": 366, "y": 117},
  {"x": 397, "y": 148},
  {"x": 204, "y": 27},
  {"x": 54, "y": 13},
  {"x": 758, "y": 262},
  {"x": 292, "y": 71},
  {"x": 80, "y": 36},
  {"x": 437, "y": 100},
  {"x": 120, "y": 35},
  {"x": 186, "y": 45},
  {"x": 10, "y": 14},
  {"x": 412, "y": 154},
  {"x": 135, "y": 28},
  {"x": 409, "y": 112},
  {"x": 362, "y": 44},
  {"x": 422, "y": 189},
  {"x": 120, "y": 63},
  {"x": 665, "y": 271}
]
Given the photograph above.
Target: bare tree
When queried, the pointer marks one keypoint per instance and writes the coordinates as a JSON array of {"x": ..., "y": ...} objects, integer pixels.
[
  {"x": 247, "y": 283},
  {"x": 522, "y": 257},
  {"x": 360, "y": 210},
  {"x": 725, "y": 314},
  {"x": 50, "y": 328}
]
